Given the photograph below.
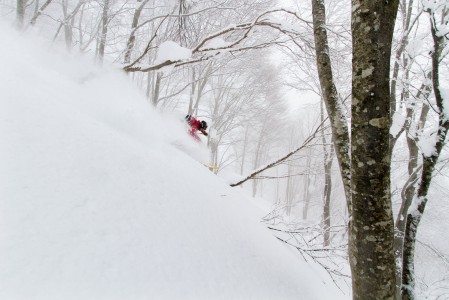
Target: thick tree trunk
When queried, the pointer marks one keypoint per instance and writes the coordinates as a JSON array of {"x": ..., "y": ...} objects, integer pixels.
[{"x": 371, "y": 228}]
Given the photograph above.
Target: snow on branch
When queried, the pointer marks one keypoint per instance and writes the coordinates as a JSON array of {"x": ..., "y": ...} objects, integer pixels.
[{"x": 215, "y": 44}]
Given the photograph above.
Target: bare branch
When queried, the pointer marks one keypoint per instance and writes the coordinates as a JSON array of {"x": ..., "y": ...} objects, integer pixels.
[
  {"x": 277, "y": 162},
  {"x": 198, "y": 49}
]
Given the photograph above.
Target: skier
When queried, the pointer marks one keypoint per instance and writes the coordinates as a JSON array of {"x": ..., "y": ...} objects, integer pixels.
[{"x": 196, "y": 125}]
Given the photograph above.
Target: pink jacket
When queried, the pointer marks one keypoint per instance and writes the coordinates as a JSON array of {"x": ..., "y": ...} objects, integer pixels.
[{"x": 195, "y": 126}]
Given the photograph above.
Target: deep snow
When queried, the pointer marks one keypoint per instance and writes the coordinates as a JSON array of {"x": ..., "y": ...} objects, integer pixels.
[{"x": 101, "y": 197}]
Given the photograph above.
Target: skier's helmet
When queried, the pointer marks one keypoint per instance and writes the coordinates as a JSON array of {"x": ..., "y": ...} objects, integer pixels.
[{"x": 203, "y": 125}]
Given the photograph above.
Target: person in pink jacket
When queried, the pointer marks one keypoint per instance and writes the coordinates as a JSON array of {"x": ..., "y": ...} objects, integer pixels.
[{"x": 195, "y": 126}]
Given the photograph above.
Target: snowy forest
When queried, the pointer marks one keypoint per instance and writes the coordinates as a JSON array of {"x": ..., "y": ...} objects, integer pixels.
[{"x": 331, "y": 115}]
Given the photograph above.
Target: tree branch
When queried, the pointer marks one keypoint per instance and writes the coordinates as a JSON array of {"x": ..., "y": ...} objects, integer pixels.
[{"x": 277, "y": 162}]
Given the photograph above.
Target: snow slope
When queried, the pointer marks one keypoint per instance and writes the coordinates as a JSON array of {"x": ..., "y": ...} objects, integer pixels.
[{"x": 100, "y": 197}]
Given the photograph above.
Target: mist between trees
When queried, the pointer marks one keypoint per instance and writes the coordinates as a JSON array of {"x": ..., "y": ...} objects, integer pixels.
[{"x": 351, "y": 176}]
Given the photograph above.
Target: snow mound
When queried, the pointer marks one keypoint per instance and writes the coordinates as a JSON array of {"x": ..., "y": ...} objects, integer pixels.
[{"x": 98, "y": 202}]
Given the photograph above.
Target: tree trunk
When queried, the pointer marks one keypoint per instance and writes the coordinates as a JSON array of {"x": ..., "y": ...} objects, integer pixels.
[
  {"x": 327, "y": 184},
  {"x": 245, "y": 145},
  {"x": 201, "y": 84},
  {"x": 68, "y": 23},
  {"x": 415, "y": 213},
  {"x": 371, "y": 229},
  {"x": 20, "y": 13},
  {"x": 104, "y": 31},
  {"x": 306, "y": 192},
  {"x": 258, "y": 154},
  {"x": 409, "y": 189},
  {"x": 192, "y": 92},
  {"x": 132, "y": 35},
  {"x": 340, "y": 132},
  {"x": 289, "y": 192},
  {"x": 39, "y": 11},
  {"x": 327, "y": 198},
  {"x": 156, "y": 90}
]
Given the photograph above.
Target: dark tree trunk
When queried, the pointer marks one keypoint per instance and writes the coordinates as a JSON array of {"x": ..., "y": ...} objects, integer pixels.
[{"x": 371, "y": 228}]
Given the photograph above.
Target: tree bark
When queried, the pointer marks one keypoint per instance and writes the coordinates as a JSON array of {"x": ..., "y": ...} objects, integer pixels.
[
  {"x": 371, "y": 229},
  {"x": 340, "y": 131}
]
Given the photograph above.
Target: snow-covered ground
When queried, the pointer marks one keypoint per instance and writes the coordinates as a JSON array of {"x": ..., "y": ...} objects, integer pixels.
[{"x": 101, "y": 197}]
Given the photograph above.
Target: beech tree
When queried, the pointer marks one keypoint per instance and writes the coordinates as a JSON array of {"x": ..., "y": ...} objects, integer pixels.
[
  {"x": 371, "y": 228},
  {"x": 366, "y": 184}
]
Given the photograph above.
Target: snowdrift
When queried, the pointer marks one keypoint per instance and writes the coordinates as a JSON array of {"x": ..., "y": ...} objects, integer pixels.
[{"x": 97, "y": 201}]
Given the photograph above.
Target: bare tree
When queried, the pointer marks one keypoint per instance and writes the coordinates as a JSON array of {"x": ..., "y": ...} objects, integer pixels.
[
  {"x": 328, "y": 158},
  {"x": 39, "y": 11},
  {"x": 20, "y": 13},
  {"x": 132, "y": 35},
  {"x": 335, "y": 111},
  {"x": 430, "y": 160},
  {"x": 104, "y": 31}
]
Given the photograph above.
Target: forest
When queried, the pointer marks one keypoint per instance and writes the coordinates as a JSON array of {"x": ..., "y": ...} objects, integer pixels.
[{"x": 333, "y": 113}]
